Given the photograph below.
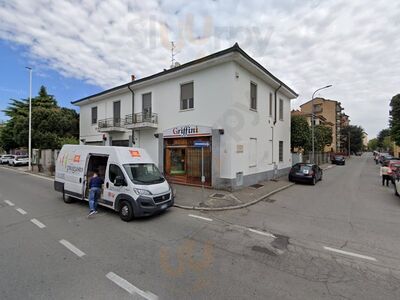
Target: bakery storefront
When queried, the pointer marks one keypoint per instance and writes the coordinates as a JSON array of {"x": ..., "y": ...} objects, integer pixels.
[{"x": 187, "y": 154}]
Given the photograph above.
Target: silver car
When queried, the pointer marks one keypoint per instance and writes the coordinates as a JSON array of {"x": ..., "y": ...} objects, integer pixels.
[
  {"x": 4, "y": 159},
  {"x": 19, "y": 160}
]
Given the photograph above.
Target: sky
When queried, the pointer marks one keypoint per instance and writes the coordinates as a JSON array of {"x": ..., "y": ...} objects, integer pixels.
[{"x": 77, "y": 48}]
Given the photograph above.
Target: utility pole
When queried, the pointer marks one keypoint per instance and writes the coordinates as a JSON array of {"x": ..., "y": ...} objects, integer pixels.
[{"x": 30, "y": 120}]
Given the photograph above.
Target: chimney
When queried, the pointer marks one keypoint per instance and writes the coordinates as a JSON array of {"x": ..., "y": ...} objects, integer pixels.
[{"x": 133, "y": 77}]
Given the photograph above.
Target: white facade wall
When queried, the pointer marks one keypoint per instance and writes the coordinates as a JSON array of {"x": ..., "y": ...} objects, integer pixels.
[{"x": 221, "y": 101}]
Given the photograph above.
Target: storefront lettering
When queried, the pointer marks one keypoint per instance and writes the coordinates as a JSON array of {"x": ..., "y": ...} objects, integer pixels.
[{"x": 185, "y": 130}]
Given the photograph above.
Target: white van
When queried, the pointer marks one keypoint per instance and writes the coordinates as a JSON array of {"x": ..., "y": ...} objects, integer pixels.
[{"x": 133, "y": 185}]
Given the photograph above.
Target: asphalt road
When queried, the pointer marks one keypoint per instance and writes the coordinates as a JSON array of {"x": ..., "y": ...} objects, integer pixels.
[{"x": 273, "y": 250}]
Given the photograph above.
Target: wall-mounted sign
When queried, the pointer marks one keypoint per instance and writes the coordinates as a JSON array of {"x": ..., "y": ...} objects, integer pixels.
[{"x": 187, "y": 131}]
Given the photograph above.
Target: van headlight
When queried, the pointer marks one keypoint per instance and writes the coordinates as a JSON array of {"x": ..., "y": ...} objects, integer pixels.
[{"x": 141, "y": 192}]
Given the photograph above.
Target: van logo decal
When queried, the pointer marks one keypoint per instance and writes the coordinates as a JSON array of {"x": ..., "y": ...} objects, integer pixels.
[
  {"x": 134, "y": 153},
  {"x": 77, "y": 158}
]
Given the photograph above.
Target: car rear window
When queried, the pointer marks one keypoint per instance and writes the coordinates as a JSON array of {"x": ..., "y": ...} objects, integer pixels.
[{"x": 305, "y": 168}]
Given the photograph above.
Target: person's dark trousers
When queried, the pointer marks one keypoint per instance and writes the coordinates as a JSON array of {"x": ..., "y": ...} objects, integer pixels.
[{"x": 385, "y": 179}]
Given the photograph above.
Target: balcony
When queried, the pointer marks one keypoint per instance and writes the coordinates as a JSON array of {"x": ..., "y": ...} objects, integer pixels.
[
  {"x": 141, "y": 121},
  {"x": 110, "y": 125}
]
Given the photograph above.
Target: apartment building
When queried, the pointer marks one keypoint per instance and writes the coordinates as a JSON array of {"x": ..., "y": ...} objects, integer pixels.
[
  {"x": 222, "y": 120},
  {"x": 332, "y": 112}
]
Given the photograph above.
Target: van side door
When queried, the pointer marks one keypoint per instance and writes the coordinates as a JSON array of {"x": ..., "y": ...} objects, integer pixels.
[{"x": 111, "y": 191}]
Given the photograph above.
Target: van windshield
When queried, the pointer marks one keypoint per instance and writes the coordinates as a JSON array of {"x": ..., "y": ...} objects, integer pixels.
[{"x": 143, "y": 173}]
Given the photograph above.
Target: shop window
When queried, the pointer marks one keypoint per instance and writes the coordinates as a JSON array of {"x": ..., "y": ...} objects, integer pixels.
[
  {"x": 253, "y": 152},
  {"x": 187, "y": 96}
]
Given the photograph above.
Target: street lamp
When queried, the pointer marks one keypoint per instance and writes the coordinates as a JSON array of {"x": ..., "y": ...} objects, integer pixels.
[
  {"x": 313, "y": 120},
  {"x": 30, "y": 120}
]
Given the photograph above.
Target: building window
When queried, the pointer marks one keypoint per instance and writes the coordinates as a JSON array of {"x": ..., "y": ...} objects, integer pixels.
[
  {"x": 280, "y": 151},
  {"x": 253, "y": 96},
  {"x": 187, "y": 97},
  {"x": 317, "y": 108},
  {"x": 253, "y": 152},
  {"x": 146, "y": 106},
  {"x": 270, "y": 104},
  {"x": 280, "y": 109},
  {"x": 94, "y": 115}
]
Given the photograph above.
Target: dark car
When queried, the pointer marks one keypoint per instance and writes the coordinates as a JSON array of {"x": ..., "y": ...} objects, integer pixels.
[
  {"x": 304, "y": 172},
  {"x": 338, "y": 160}
]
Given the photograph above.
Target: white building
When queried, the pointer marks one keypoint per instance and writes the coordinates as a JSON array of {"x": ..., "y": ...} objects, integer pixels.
[{"x": 225, "y": 102}]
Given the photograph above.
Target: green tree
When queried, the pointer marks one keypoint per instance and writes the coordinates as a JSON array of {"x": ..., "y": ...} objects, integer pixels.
[
  {"x": 381, "y": 137},
  {"x": 356, "y": 134},
  {"x": 394, "y": 119},
  {"x": 322, "y": 137},
  {"x": 51, "y": 124},
  {"x": 299, "y": 132},
  {"x": 373, "y": 144}
]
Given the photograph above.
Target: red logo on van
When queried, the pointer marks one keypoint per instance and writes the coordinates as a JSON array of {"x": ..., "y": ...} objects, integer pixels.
[
  {"x": 77, "y": 158},
  {"x": 134, "y": 153}
]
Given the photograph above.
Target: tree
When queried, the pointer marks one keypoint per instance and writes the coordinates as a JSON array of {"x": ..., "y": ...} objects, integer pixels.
[
  {"x": 381, "y": 138},
  {"x": 299, "y": 132},
  {"x": 394, "y": 119},
  {"x": 51, "y": 124},
  {"x": 356, "y": 134},
  {"x": 373, "y": 144},
  {"x": 322, "y": 137}
]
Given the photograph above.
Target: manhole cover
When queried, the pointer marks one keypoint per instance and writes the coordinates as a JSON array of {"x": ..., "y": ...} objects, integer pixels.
[
  {"x": 216, "y": 195},
  {"x": 257, "y": 186}
]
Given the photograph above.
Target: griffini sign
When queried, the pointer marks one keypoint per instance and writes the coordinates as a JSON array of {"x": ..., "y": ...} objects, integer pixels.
[{"x": 187, "y": 131}]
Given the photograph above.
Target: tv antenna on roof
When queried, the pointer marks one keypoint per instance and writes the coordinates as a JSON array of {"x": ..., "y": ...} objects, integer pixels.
[{"x": 174, "y": 63}]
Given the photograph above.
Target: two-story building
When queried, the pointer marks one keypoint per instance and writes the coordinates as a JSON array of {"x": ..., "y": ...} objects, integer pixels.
[{"x": 223, "y": 119}]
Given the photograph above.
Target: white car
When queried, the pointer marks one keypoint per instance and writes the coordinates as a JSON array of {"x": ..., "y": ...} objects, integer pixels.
[
  {"x": 4, "y": 159},
  {"x": 19, "y": 160}
]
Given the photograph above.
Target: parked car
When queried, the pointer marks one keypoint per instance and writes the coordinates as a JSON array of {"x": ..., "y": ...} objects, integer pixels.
[
  {"x": 304, "y": 172},
  {"x": 394, "y": 166},
  {"x": 5, "y": 158},
  {"x": 19, "y": 160},
  {"x": 384, "y": 157},
  {"x": 338, "y": 160}
]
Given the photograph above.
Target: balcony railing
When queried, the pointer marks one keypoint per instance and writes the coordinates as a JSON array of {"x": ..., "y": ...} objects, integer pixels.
[
  {"x": 141, "y": 120},
  {"x": 110, "y": 124}
]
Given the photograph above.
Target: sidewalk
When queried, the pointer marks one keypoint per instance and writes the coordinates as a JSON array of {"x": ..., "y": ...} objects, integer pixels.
[{"x": 195, "y": 198}]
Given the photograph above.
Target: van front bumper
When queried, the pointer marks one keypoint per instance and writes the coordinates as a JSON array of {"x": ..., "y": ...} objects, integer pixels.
[{"x": 145, "y": 206}]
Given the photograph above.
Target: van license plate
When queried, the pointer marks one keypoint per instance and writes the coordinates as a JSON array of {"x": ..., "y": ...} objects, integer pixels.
[{"x": 164, "y": 206}]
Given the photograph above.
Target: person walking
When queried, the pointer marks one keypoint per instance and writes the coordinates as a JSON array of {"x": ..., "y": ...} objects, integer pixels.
[
  {"x": 95, "y": 184},
  {"x": 385, "y": 174}
]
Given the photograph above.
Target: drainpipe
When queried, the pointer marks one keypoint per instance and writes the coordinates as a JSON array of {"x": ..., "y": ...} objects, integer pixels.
[{"x": 133, "y": 113}]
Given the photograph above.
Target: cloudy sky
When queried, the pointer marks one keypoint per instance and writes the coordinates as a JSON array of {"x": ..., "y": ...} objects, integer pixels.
[{"x": 81, "y": 47}]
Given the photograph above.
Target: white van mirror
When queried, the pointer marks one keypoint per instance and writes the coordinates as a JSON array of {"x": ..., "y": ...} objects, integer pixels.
[{"x": 119, "y": 181}]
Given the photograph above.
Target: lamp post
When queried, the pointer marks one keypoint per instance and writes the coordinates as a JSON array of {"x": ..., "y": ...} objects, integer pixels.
[
  {"x": 313, "y": 121},
  {"x": 30, "y": 120}
]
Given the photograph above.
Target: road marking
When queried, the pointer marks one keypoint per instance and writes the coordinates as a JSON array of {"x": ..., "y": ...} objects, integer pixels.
[
  {"x": 72, "y": 248},
  {"x": 130, "y": 288},
  {"x": 262, "y": 233},
  {"x": 38, "y": 223},
  {"x": 9, "y": 202},
  {"x": 350, "y": 253},
  {"x": 200, "y": 217},
  {"x": 21, "y": 211}
]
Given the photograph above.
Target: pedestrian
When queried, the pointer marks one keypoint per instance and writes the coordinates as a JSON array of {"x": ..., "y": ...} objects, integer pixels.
[
  {"x": 95, "y": 184},
  {"x": 384, "y": 172}
]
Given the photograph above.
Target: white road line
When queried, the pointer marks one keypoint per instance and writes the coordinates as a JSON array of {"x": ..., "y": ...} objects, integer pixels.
[
  {"x": 130, "y": 288},
  {"x": 38, "y": 223},
  {"x": 200, "y": 217},
  {"x": 9, "y": 202},
  {"x": 21, "y": 211},
  {"x": 72, "y": 248},
  {"x": 350, "y": 253},
  {"x": 262, "y": 233}
]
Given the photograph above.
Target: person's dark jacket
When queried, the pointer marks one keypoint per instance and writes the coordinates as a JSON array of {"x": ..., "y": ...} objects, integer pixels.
[{"x": 95, "y": 182}]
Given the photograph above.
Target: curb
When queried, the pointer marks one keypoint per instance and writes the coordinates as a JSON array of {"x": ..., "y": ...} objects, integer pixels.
[
  {"x": 236, "y": 206},
  {"x": 242, "y": 205}
]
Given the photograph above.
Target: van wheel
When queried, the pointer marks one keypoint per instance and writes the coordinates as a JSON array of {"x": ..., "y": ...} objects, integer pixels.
[
  {"x": 126, "y": 211},
  {"x": 67, "y": 199}
]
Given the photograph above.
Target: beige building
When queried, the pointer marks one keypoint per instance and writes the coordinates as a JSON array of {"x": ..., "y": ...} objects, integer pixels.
[{"x": 332, "y": 113}]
